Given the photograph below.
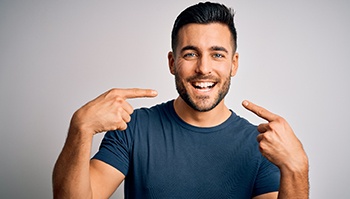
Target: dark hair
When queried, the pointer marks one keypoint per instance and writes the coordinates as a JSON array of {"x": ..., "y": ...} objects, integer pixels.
[{"x": 204, "y": 13}]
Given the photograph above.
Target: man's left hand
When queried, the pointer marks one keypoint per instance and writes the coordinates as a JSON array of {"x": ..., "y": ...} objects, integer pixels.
[{"x": 277, "y": 141}]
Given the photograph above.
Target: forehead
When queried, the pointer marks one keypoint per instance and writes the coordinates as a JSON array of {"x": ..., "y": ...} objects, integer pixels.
[{"x": 205, "y": 36}]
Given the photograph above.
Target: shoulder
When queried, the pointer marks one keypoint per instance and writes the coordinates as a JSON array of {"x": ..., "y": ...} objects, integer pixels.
[
  {"x": 144, "y": 116},
  {"x": 243, "y": 125},
  {"x": 155, "y": 110}
]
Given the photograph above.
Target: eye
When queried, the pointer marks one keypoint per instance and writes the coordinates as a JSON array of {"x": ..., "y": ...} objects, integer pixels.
[
  {"x": 218, "y": 55},
  {"x": 190, "y": 56}
]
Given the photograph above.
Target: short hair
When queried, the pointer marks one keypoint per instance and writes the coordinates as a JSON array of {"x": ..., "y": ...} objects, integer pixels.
[{"x": 204, "y": 13}]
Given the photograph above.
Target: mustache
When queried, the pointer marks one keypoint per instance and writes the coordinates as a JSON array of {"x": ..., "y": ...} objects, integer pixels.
[{"x": 199, "y": 77}]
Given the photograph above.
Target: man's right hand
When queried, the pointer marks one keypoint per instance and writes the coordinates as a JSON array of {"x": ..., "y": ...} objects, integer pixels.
[
  {"x": 109, "y": 111},
  {"x": 74, "y": 175}
]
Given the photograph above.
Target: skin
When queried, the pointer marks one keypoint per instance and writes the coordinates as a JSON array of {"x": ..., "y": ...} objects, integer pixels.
[
  {"x": 279, "y": 144},
  {"x": 74, "y": 175},
  {"x": 204, "y": 56},
  {"x": 205, "y": 52}
]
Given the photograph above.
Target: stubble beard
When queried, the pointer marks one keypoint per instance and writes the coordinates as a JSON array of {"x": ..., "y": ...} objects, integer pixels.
[{"x": 202, "y": 104}]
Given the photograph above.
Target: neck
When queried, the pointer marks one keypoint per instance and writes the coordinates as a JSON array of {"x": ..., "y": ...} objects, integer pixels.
[{"x": 211, "y": 118}]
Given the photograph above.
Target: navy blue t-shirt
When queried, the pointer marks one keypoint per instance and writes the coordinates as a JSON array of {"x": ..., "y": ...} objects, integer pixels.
[{"x": 164, "y": 157}]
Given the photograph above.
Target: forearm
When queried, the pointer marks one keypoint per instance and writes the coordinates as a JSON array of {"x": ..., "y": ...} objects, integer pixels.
[
  {"x": 294, "y": 183},
  {"x": 71, "y": 175}
]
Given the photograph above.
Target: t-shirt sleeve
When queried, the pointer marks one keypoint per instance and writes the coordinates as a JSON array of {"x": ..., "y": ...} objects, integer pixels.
[
  {"x": 114, "y": 150},
  {"x": 268, "y": 178}
]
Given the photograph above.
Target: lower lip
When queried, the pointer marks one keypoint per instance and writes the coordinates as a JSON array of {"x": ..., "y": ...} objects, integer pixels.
[{"x": 203, "y": 90}]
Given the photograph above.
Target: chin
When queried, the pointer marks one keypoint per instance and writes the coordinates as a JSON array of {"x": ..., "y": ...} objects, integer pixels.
[{"x": 202, "y": 104}]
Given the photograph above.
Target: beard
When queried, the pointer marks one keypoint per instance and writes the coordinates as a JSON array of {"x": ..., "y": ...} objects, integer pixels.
[{"x": 203, "y": 103}]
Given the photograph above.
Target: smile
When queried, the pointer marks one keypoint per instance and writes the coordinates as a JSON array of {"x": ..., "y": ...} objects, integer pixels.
[{"x": 203, "y": 85}]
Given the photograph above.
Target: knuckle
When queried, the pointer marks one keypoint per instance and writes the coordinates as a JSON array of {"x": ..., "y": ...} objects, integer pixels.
[
  {"x": 268, "y": 136},
  {"x": 261, "y": 147},
  {"x": 118, "y": 125},
  {"x": 280, "y": 119},
  {"x": 264, "y": 136},
  {"x": 118, "y": 116},
  {"x": 128, "y": 118},
  {"x": 123, "y": 126},
  {"x": 273, "y": 125},
  {"x": 259, "y": 137},
  {"x": 114, "y": 127},
  {"x": 284, "y": 121},
  {"x": 110, "y": 94},
  {"x": 260, "y": 112},
  {"x": 118, "y": 100},
  {"x": 112, "y": 91},
  {"x": 135, "y": 91},
  {"x": 111, "y": 125},
  {"x": 118, "y": 109}
]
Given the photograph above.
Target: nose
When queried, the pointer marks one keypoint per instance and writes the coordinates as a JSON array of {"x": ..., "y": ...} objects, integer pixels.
[{"x": 204, "y": 66}]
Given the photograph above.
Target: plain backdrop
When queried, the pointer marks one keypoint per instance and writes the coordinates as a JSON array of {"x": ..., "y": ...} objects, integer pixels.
[{"x": 57, "y": 55}]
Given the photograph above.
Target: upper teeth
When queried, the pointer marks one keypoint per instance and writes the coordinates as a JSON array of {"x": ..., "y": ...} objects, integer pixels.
[{"x": 204, "y": 84}]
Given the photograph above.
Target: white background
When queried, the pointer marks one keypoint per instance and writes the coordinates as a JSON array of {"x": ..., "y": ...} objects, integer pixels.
[{"x": 57, "y": 55}]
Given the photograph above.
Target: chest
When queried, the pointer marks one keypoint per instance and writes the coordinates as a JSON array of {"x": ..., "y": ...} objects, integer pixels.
[{"x": 170, "y": 163}]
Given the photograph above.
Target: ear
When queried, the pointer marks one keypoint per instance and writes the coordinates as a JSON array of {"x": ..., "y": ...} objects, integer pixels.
[
  {"x": 171, "y": 61},
  {"x": 234, "y": 64}
]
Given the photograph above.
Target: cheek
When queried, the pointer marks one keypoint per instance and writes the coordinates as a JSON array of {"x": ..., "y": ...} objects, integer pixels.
[
  {"x": 183, "y": 68},
  {"x": 224, "y": 70}
]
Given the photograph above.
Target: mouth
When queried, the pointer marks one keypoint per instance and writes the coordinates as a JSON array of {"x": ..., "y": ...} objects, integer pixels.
[{"x": 203, "y": 86}]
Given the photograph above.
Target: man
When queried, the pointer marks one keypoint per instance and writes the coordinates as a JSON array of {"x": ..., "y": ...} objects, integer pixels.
[{"x": 190, "y": 147}]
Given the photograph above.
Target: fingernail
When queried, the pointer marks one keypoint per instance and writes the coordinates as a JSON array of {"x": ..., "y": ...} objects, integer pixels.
[
  {"x": 154, "y": 92},
  {"x": 245, "y": 103}
]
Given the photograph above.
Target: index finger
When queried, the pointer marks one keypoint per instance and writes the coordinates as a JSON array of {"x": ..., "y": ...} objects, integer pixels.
[
  {"x": 259, "y": 111},
  {"x": 138, "y": 93}
]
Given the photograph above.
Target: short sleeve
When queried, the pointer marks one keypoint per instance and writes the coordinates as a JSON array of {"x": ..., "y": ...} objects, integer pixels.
[
  {"x": 114, "y": 150},
  {"x": 268, "y": 178}
]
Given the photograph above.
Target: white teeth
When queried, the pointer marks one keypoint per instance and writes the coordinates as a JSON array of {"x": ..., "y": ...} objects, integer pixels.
[{"x": 203, "y": 84}]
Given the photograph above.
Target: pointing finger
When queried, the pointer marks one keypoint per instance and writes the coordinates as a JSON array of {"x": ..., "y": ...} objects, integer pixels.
[
  {"x": 259, "y": 111},
  {"x": 137, "y": 93}
]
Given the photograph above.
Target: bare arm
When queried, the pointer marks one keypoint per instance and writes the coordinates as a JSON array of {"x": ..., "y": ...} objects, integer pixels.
[
  {"x": 74, "y": 175},
  {"x": 71, "y": 175},
  {"x": 106, "y": 179},
  {"x": 279, "y": 144},
  {"x": 272, "y": 195}
]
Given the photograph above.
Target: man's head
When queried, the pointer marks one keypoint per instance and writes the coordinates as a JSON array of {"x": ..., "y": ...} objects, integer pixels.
[
  {"x": 203, "y": 58},
  {"x": 205, "y": 13}
]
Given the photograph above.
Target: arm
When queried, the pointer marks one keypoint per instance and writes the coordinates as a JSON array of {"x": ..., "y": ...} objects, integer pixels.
[
  {"x": 272, "y": 195},
  {"x": 74, "y": 175},
  {"x": 279, "y": 144}
]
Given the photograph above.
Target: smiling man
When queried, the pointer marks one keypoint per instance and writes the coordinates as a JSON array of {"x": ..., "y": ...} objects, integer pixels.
[
  {"x": 203, "y": 62},
  {"x": 191, "y": 147}
]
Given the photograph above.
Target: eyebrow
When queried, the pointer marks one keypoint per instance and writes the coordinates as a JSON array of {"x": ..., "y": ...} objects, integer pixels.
[
  {"x": 213, "y": 48},
  {"x": 189, "y": 47},
  {"x": 219, "y": 48}
]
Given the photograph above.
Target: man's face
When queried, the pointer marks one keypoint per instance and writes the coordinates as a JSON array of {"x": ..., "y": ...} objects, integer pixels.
[{"x": 203, "y": 64}]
